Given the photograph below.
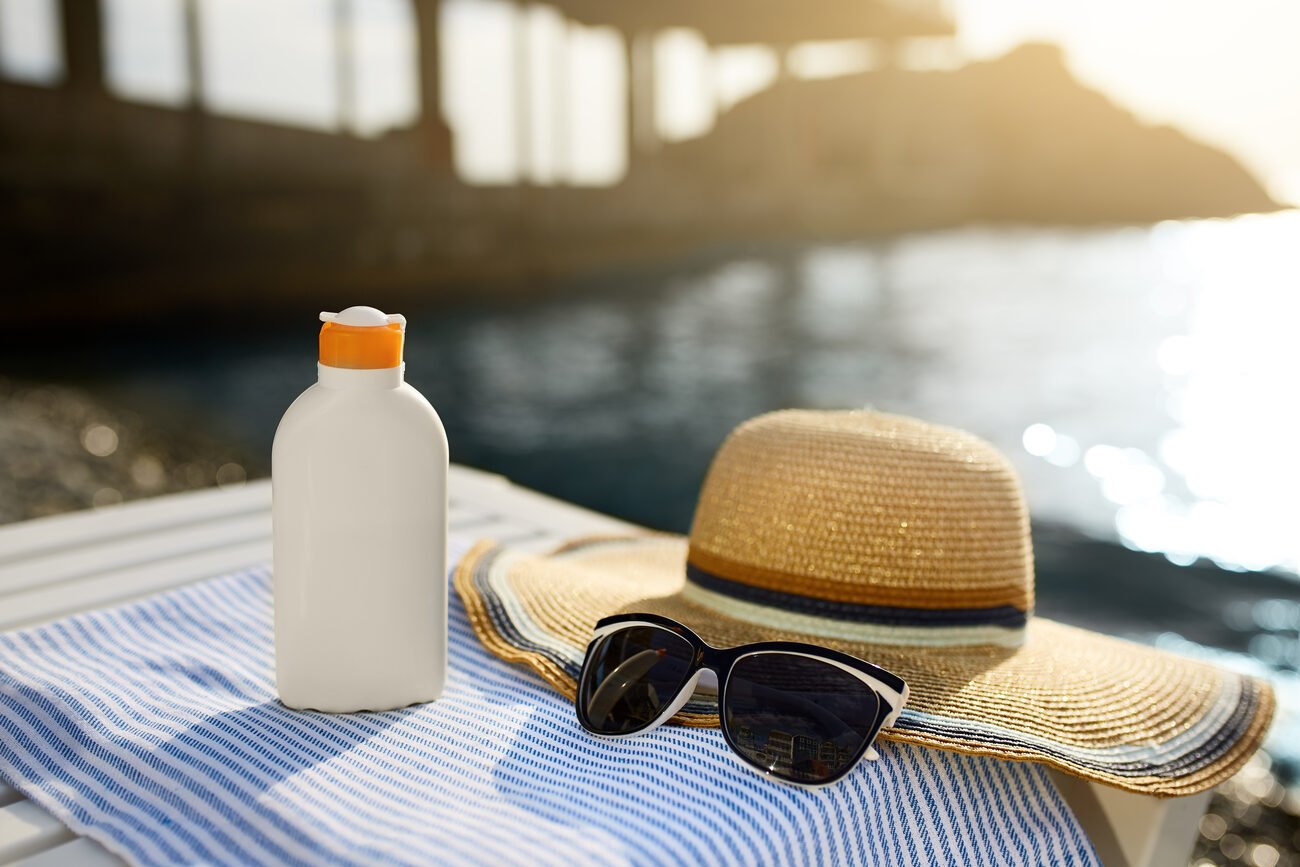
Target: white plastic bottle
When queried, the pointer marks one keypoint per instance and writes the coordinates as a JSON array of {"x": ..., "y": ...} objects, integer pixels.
[{"x": 359, "y": 488}]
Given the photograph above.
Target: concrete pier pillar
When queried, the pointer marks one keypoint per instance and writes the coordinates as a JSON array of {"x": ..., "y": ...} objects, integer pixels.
[
  {"x": 433, "y": 127},
  {"x": 83, "y": 46}
]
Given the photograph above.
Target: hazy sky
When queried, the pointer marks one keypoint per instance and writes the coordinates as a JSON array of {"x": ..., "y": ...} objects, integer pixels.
[{"x": 1228, "y": 74}]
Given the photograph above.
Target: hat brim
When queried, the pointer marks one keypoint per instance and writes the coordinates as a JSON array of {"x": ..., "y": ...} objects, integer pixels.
[{"x": 1093, "y": 706}]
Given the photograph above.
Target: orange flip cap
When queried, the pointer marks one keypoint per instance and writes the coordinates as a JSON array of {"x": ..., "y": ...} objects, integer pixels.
[{"x": 361, "y": 347}]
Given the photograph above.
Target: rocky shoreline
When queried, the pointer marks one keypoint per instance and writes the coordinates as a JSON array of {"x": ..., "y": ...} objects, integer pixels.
[{"x": 62, "y": 450}]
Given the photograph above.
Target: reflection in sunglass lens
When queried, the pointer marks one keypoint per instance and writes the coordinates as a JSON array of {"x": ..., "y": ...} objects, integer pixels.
[
  {"x": 798, "y": 718},
  {"x": 631, "y": 676}
]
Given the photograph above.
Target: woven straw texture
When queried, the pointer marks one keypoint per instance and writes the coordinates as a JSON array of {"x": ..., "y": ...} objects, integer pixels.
[
  {"x": 803, "y": 506},
  {"x": 865, "y": 507}
]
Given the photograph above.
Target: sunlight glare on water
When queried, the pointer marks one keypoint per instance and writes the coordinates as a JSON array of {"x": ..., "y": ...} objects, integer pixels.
[{"x": 1222, "y": 479}]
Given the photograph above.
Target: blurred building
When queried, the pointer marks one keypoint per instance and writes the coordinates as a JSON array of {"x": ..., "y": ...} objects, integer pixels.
[{"x": 112, "y": 207}]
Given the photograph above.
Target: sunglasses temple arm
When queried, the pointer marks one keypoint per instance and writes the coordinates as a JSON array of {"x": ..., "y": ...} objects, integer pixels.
[
  {"x": 683, "y": 696},
  {"x": 872, "y": 755}
]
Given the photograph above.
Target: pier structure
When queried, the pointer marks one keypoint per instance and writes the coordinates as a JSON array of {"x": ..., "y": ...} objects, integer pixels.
[{"x": 116, "y": 206}]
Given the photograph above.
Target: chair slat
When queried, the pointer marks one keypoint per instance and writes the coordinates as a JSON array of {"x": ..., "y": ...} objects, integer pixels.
[
  {"x": 75, "y": 529},
  {"x": 113, "y": 587},
  {"x": 125, "y": 550},
  {"x": 82, "y": 852},
  {"x": 26, "y": 829}
]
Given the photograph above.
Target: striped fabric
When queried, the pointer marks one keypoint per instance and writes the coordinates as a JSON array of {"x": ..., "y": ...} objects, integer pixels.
[{"x": 154, "y": 729}]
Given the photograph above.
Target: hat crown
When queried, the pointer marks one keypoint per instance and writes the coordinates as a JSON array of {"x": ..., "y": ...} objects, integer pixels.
[{"x": 867, "y": 515}]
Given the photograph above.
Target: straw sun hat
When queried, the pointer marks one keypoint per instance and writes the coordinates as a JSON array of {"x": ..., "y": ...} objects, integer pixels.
[{"x": 903, "y": 543}]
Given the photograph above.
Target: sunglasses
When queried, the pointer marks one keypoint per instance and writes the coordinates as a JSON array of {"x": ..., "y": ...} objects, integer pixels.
[{"x": 796, "y": 712}]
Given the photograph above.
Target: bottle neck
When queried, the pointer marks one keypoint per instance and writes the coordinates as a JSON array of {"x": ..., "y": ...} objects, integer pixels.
[{"x": 376, "y": 379}]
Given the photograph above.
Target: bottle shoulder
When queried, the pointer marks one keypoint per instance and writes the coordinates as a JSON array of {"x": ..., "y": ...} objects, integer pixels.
[
  {"x": 318, "y": 398},
  {"x": 330, "y": 413},
  {"x": 305, "y": 408},
  {"x": 409, "y": 402}
]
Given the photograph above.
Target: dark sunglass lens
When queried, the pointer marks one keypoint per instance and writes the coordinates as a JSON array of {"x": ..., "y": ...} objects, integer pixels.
[
  {"x": 631, "y": 676},
  {"x": 798, "y": 718}
]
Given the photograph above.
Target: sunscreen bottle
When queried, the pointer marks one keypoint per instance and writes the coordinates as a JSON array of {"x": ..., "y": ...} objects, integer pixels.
[{"x": 359, "y": 513}]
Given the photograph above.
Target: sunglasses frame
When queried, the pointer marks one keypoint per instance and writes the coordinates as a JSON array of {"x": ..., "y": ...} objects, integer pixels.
[{"x": 891, "y": 690}]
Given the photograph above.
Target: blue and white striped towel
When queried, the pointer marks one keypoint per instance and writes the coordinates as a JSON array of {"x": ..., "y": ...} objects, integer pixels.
[{"x": 154, "y": 729}]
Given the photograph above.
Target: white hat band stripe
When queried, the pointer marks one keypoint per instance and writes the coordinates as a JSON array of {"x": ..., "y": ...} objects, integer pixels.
[
  {"x": 876, "y": 633},
  {"x": 1007, "y": 616}
]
